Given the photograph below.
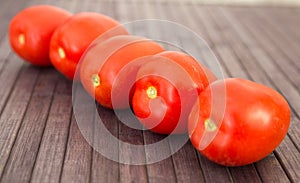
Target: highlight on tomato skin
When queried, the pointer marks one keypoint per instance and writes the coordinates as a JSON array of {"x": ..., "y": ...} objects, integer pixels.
[
  {"x": 71, "y": 39},
  {"x": 102, "y": 63},
  {"x": 31, "y": 29},
  {"x": 256, "y": 120},
  {"x": 167, "y": 89}
]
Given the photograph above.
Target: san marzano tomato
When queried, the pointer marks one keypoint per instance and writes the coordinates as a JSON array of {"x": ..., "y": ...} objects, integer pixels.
[
  {"x": 31, "y": 29},
  {"x": 255, "y": 121},
  {"x": 167, "y": 89},
  {"x": 70, "y": 40},
  {"x": 103, "y": 62}
]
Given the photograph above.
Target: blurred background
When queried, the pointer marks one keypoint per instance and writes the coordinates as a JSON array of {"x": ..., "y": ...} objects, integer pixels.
[{"x": 239, "y": 2}]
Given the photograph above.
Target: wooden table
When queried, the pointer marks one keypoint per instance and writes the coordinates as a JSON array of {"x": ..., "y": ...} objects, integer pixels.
[{"x": 39, "y": 137}]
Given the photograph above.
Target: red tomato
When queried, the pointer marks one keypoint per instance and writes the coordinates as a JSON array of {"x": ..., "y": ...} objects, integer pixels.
[
  {"x": 70, "y": 40},
  {"x": 103, "y": 62},
  {"x": 30, "y": 32},
  {"x": 255, "y": 121},
  {"x": 167, "y": 89}
]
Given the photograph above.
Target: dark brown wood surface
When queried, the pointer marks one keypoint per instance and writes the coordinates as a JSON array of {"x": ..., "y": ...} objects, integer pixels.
[{"x": 39, "y": 137}]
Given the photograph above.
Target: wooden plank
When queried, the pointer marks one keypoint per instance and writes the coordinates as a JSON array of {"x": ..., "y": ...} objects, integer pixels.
[
  {"x": 128, "y": 172},
  {"x": 13, "y": 113},
  {"x": 5, "y": 51},
  {"x": 77, "y": 161},
  {"x": 292, "y": 19},
  {"x": 266, "y": 41},
  {"x": 52, "y": 149},
  {"x": 72, "y": 6},
  {"x": 289, "y": 157},
  {"x": 270, "y": 166},
  {"x": 235, "y": 70},
  {"x": 189, "y": 13},
  {"x": 186, "y": 164},
  {"x": 288, "y": 69},
  {"x": 213, "y": 172},
  {"x": 188, "y": 168},
  {"x": 162, "y": 171},
  {"x": 6, "y": 16},
  {"x": 288, "y": 15},
  {"x": 285, "y": 48},
  {"x": 218, "y": 18},
  {"x": 104, "y": 169},
  {"x": 24, "y": 151},
  {"x": 10, "y": 72},
  {"x": 258, "y": 54},
  {"x": 281, "y": 38},
  {"x": 277, "y": 58},
  {"x": 79, "y": 153},
  {"x": 211, "y": 30},
  {"x": 244, "y": 174},
  {"x": 263, "y": 169},
  {"x": 270, "y": 170}
]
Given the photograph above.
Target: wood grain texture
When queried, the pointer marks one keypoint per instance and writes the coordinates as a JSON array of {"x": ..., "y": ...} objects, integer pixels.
[
  {"x": 8, "y": 77},
  {"x": 77, "y": 161},
  {"x": 268, "y": 65},
  {"x": 8, "y": 10},
  {"x": 52, "y": 149},
  {"x": 14, "y": 111},
  {"x": 162, "y": 171},
  {"x": 256, "y": 43},
  {"x": 103, "y": 168},
  {"x": 4, "y": 51},
  {"x": 290, "y": 72},
  {"x": 23, "y": 154},
  {"x": 234, "y": 69},
  {"x": 277, "y": 172}
]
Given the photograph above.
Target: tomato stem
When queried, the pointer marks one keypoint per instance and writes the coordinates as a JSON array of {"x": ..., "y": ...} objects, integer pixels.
[
  {"x": 61, "y": 53},
  {"x": 96, "y": 80},
  {"x": 21, "y": 39},
  {"x": 152, "y": 92},
  {"x": 210, "y": 125}
]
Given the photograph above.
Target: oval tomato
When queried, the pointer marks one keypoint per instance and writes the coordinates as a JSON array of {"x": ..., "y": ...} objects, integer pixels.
[
  {"x": 167, "y": 89},
  {"x": 31, "y": 29},
  {"x": 103, "y": 62},
  {"x": 255, "y": 121},
  {"x": 70, "y": 40}
]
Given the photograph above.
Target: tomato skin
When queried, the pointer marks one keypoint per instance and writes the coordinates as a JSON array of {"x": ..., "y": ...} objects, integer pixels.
[
  {"x": 256, "y": 120},
  {"x": 74, "y": 37},
  {"x": 106, "y": 60},
  {"x": 168, "y": 113},
  {"x": 36, "y": 24}
]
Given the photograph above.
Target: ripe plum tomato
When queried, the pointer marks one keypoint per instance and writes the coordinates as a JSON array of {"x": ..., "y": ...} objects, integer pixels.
[
  {"x": 255, "y": 121},
  {"x": 71, "y": 39},
  {"x": 100, "y": 66},
  {"x": 166, "y": 90},
  {"x": 31, "y": 29}
]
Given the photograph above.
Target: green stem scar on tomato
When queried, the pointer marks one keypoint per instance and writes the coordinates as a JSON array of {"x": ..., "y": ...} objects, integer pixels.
[
  {"x": 22, "y": 39},
  {"x": 61, "y": 53},
  {"x": 95, "y": 80},
  {"x": 210, "y": 125},
  {"x": 152, "y": 92}
]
